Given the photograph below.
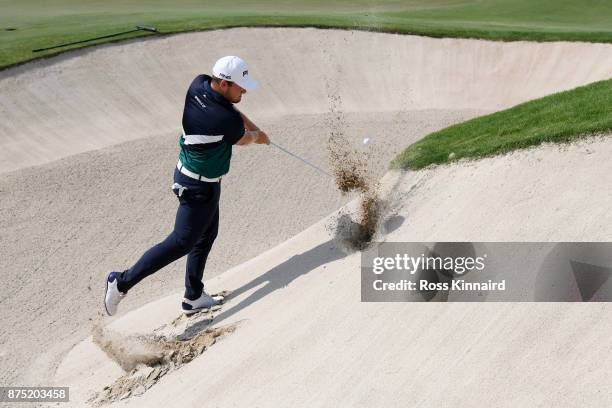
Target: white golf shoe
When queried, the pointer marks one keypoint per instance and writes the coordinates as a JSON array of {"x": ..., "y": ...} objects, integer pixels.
[
  {"x": 112, "y": 296},
  {"x": 205, "y": 301}
]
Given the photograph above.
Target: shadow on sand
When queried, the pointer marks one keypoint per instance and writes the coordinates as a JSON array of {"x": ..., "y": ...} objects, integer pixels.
[{"x": 277, "y": 278}]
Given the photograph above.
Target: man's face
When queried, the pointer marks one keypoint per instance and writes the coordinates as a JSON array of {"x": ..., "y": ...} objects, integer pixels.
[{"x": 232, "y": 91}]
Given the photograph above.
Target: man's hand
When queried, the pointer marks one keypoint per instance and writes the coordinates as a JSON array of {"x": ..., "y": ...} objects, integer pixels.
[
  {"x": 254, "y": 136},
  {"x": 262, "y": 138}
]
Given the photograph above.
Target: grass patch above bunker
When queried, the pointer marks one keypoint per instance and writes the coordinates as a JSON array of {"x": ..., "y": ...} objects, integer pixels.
[
  {"x": 43, "y": 23},
  {"x": 561, "y": 117}
]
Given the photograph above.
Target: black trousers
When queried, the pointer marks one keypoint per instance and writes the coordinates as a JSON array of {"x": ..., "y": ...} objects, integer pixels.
[{"x": 195, "y": 230}]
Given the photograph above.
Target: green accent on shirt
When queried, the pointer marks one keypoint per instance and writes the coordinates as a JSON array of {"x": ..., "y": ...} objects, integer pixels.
[{"x": 210, "y": 163}]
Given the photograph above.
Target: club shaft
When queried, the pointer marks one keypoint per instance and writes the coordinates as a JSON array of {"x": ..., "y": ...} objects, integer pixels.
[{"x": 301, "y": 159}]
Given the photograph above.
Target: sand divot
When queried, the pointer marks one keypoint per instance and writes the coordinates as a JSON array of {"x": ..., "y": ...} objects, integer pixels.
[
  {"x": 146, "y": 358},
  {"x": 350, "y": 168}
]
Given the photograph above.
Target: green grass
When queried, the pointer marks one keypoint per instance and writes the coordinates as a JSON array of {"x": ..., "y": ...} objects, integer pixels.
[
  {"x": 41, "y": 23},
  {"x": 560, "y": 117}
]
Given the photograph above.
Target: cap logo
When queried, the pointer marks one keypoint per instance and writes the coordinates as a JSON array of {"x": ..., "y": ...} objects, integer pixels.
[
  {"x": 245, "y": 73},
  {"x": 222, "y": 75}
]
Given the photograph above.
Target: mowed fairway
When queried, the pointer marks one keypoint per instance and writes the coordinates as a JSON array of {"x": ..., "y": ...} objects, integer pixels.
[{"x": 26, "y": 25}]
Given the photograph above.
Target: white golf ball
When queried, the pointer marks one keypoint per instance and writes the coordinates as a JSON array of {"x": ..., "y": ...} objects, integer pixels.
[{"x": 366, "y": 141}]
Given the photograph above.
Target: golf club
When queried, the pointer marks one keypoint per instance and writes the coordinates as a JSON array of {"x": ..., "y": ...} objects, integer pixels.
[{"x": 303, "y": 160}]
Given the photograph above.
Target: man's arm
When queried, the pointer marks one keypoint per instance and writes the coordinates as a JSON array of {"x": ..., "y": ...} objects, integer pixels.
[
  {"x": 252, "y": 134},
  {"x": 248, "y": 124}
]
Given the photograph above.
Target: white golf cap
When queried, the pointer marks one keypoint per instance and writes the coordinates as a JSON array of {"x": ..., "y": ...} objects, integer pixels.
[{"x": 234, "y": 69}]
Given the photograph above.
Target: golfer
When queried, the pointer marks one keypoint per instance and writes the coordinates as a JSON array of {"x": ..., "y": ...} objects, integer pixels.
[{"x": 211, "y": 126}]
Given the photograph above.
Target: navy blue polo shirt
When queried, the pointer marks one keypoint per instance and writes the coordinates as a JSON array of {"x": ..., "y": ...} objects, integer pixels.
[{"x": 211, "y": 126}]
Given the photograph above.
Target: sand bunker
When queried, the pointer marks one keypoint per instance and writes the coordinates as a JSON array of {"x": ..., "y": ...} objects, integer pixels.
[
  {"x": 306, "y": 333},
  {"x": 136, "y": 89},
  {"x": 88, "y": 204}
]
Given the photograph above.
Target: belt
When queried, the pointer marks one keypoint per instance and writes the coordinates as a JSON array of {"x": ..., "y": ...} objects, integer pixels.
[{"x": 196, "y": 176}]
